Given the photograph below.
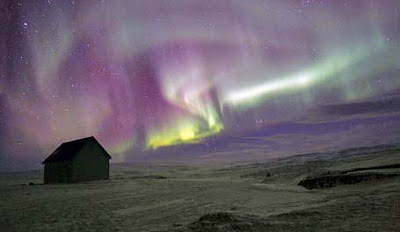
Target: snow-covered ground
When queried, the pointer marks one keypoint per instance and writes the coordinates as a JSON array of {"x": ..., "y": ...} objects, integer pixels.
[{"x": 167, "y": 197}]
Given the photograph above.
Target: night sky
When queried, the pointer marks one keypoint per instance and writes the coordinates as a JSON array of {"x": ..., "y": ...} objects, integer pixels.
[{"x": 197, "y": 79}]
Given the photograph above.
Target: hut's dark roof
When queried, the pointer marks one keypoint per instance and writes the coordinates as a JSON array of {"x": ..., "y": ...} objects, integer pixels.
[{"x": 68, "y": 150}]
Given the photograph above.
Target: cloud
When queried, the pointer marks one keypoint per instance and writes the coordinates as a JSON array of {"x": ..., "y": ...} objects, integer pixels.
[
  {"x": 385, "y": 130},
  {"x": 289, "y": 139},
  {"x": 380, "y": 106}
]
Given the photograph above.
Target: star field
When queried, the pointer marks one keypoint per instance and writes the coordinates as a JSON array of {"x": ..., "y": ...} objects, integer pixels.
[{"x": 144, "y": 75}]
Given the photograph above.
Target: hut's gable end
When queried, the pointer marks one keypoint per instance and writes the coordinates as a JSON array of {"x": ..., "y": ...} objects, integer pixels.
[{"x": 90, "y": 163}]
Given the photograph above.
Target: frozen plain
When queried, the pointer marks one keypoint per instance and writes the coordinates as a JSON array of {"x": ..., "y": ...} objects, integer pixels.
[{"x": 262, "y": 196}]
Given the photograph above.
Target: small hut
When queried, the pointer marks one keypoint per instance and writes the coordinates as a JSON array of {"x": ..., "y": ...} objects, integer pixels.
[{"x": 79, "y": 160}]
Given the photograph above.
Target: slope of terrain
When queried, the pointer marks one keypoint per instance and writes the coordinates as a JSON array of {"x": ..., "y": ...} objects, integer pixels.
[{"x": 247, "y": 197}]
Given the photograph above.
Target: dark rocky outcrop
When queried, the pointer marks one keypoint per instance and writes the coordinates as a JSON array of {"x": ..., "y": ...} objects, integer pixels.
[
  {"x": 332, "y": 180},
  {"x": 226, "y": 221}
]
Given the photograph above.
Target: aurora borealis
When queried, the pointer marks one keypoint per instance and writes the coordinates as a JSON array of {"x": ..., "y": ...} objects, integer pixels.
[{"x": 144, "y": 75}]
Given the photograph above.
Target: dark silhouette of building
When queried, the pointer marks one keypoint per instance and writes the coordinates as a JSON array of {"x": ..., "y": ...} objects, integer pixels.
[{"x": 79, "y": 160}]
